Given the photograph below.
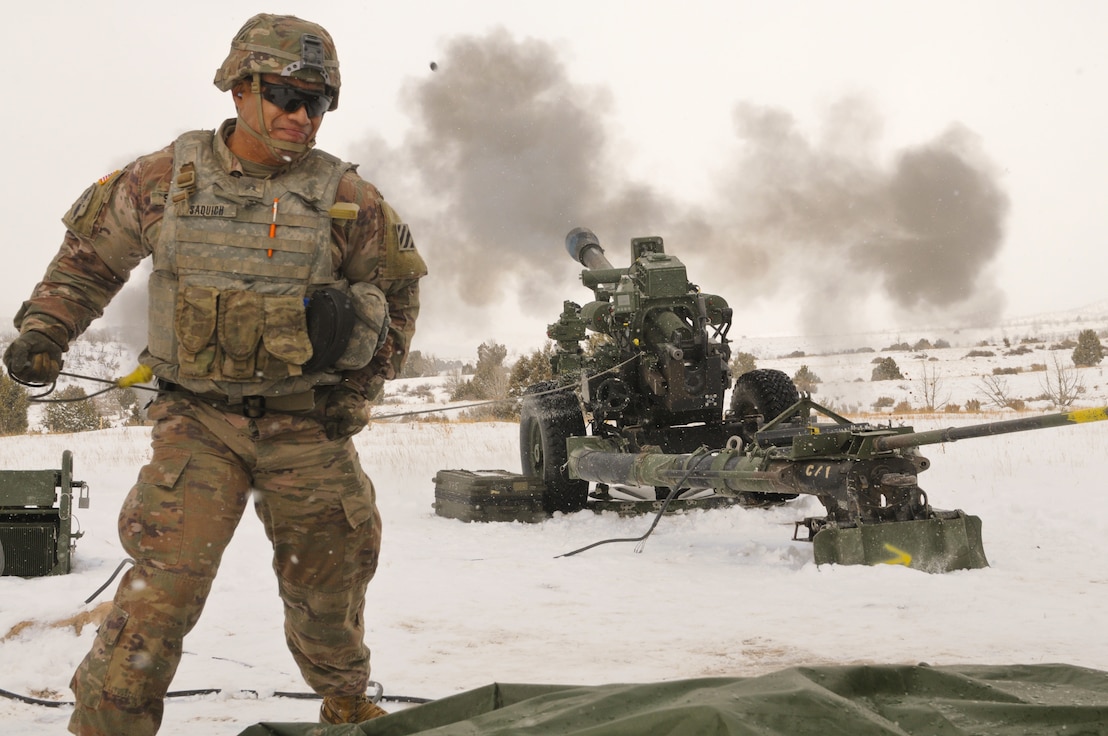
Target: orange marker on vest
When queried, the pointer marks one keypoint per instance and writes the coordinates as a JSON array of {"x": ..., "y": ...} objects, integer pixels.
[{"x": 273, "y": 227}]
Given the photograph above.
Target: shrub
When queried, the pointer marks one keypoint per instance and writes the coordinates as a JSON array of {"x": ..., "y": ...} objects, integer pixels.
[
  {"x": 742, "y": 363},
  {"x": 886, "y": 370},
  {"x": 883, "y": 402},
  {"x": 806, "y": 380}
]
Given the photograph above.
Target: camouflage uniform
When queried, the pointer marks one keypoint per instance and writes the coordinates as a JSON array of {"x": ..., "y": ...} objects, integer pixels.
[{"x": 271, "y": 428}]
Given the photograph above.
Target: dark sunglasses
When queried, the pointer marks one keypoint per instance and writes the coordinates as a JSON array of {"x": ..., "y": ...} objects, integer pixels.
[{"x": 291, "y": 99}]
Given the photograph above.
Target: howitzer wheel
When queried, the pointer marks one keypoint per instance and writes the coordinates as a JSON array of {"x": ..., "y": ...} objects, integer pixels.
[
  {"x": 545, "y": 422},
  {"x": 766, "y": 392}
]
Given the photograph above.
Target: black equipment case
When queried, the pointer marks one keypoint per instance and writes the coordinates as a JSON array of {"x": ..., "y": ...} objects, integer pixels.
[{"x": 488, "y": 495}]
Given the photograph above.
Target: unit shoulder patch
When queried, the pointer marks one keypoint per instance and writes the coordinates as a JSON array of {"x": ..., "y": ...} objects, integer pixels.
[
  {"x": 402, "y": 260},
  {"x": 404, "y": 241}
]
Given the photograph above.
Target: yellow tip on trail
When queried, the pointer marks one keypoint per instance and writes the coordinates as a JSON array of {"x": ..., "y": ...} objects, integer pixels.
[
  {"x": 1088, "y": 415},
  {"x": 142, "y": 374}
]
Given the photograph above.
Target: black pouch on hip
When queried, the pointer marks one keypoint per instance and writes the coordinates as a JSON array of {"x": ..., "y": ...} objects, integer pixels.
[{"x": 330, "y": 320}]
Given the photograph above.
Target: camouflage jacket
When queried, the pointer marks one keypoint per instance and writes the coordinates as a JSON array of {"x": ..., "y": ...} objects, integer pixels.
[{"x": 116, "y": 223}]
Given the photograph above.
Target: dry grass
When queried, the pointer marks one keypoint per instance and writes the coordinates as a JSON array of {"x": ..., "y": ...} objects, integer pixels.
[{"x": 78, "y": 621}]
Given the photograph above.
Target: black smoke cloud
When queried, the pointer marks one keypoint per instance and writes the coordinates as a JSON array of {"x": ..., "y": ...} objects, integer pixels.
[{"x": 507, "y": 154}]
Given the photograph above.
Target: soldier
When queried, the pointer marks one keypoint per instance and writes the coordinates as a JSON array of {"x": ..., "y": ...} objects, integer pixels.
[{"x": 284, "y": 292}]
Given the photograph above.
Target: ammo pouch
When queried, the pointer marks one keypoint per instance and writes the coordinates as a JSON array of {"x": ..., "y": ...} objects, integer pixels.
[
  {"x": 243, "y": 335},
  {"x": 239, "y": 335},
  {"x": 346, "y": 330}
]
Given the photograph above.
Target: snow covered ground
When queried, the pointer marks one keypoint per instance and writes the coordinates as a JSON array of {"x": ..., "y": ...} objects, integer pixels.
[{"x": 725, "y": 592}]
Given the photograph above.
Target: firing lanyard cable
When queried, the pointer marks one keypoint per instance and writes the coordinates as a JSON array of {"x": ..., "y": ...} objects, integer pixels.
[
  {"x": 133, "y": 380},
  {"x": 141, "y": 375},
  {"x": 119, "y": 567},
  {"x": 377, "y": 695},
  {"x": 691, "y": 464},
  {"x": 558, "y": 389}
]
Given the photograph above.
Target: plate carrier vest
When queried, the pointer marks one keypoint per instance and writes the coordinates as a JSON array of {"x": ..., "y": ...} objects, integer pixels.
[{"x": 235, "y": 262}]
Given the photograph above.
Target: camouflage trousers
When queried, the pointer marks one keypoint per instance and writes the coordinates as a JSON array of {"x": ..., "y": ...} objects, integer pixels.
[{"x": 319, "y": 511}]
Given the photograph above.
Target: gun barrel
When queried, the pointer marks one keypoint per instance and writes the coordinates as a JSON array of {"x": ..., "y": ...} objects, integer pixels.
[
  {"x": 988, "y": 429},
  {"x": 727, "y": 472},
  {"x": 584, "y": 247}
]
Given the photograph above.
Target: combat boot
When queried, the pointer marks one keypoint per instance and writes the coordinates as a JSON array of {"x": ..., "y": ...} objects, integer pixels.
[{"x": 349, "y": 709}]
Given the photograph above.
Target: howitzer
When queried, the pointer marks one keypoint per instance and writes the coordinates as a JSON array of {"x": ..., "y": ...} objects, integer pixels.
[
  {"x": 644, "y": 409},
  {"x": 657, "y": 377},
  {"x": 865, "y": 476}
]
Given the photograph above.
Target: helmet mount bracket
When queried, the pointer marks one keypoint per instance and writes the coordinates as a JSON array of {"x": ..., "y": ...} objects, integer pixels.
[{"x": 311, "y": 58}]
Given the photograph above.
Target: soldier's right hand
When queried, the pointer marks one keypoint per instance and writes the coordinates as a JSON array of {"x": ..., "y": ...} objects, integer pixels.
[
  {"x": 34, "y": 358},
  {"x": 345, "y": 413}
]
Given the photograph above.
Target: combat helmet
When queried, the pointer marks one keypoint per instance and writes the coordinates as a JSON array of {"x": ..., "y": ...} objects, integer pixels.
[{"x": 285, "y": 45}]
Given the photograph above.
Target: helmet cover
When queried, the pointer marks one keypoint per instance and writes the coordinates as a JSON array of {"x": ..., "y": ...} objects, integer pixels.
[{"x": 284, "y": 45}]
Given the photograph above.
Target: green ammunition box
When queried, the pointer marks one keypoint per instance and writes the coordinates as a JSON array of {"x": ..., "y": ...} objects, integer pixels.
[{"x": 488, "y": 495}]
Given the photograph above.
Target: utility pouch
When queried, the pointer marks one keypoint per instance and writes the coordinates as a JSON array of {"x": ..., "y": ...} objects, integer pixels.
[
  {"x": 370, "y": 326},
  {"x": 330, "y": 317}
]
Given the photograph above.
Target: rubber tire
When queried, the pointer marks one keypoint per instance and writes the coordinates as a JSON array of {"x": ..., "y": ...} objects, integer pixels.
[
  {"x": 765, "y": 391},
  {"x": 544, "y": 424},
  {"x": 769, "y": 392}
]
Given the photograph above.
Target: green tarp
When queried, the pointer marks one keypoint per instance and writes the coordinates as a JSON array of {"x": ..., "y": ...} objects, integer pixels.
[{"x": 800, "y": 701}]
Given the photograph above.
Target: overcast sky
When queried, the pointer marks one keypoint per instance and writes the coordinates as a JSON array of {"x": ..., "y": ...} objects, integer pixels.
[{"x": 800, "y": 144}]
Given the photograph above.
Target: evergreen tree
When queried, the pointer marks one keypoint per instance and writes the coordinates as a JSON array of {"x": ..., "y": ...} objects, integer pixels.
[
  {"x": 531, "y": 369},
  {"x": 1089, "y": 351},
  {"x": 806, "y": 380},
  {"x": 415, "y": 366},
  {"x": 14, "y": 403},
  {"x": 75, "y": 413},
  {"x": 490, "y": 376},
  {"x": 489, "y": 383}
]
